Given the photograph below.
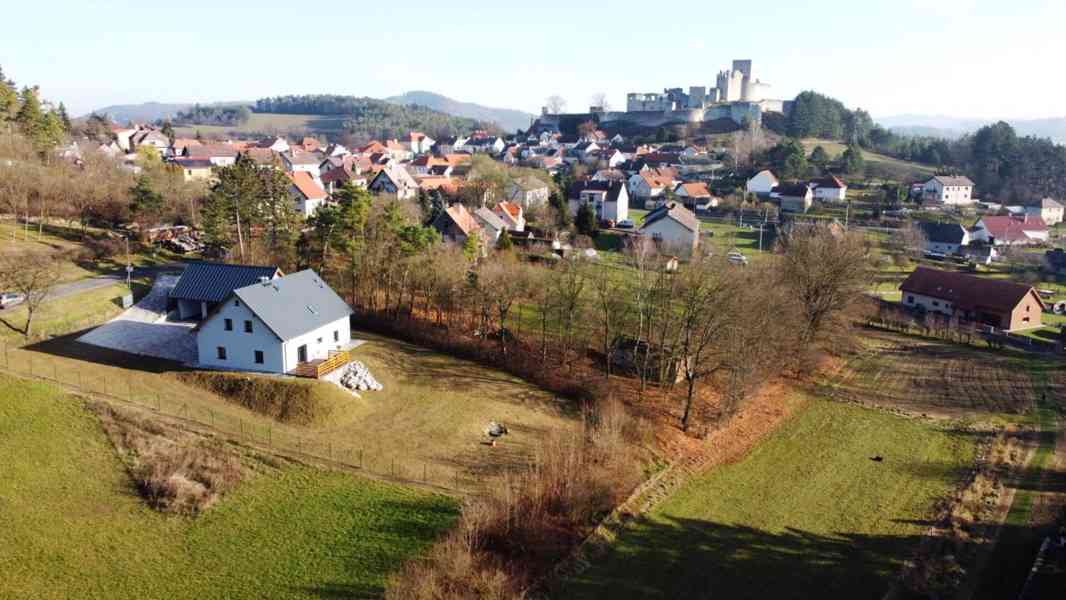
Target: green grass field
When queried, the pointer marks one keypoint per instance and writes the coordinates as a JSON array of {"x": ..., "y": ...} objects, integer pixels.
[
  {"x": 807, "y": 514},
  {"x": 63, "y": 315},
  {"x": 75, "y": 528}
]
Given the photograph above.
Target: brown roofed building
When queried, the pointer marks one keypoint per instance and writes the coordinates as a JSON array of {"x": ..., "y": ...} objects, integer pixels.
[
  {"x": 456, "y": 224},
  {"x": 1001, "y": 304}
]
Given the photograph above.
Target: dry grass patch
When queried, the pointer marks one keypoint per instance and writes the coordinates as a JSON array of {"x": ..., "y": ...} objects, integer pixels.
[
  {"x": 293, "y": 401},
  {"x": 175, "y": 470}
]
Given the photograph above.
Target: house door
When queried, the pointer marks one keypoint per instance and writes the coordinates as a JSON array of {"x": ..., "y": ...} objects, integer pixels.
[{"x": 301, "y": 354}]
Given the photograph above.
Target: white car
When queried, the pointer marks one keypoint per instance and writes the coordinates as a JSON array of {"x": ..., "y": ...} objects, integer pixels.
[
  {"x": 737, "y": 258},
  {"x": 10, "y": 299},
  {"x": 626, "y": 224}
]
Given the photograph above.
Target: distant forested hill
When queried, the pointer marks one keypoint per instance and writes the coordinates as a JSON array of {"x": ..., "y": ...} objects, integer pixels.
[
  {"x": 146, "y": 112},
  {"x": 373, "y": 118},
  {"x": 508, "y": 119}
]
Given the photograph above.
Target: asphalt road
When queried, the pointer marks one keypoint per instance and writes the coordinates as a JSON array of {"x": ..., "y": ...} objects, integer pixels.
[{"x": 88, "y": 284}]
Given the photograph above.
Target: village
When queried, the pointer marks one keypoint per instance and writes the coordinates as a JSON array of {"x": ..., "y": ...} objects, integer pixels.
[{"x": 613, "y": 354}]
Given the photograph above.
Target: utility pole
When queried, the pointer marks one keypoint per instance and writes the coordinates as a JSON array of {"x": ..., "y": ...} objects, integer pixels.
[{"x": 129, "y": 265}]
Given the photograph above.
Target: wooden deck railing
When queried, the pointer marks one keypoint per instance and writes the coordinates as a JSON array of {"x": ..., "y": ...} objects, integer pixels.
[{"x": 335, "y": 361}]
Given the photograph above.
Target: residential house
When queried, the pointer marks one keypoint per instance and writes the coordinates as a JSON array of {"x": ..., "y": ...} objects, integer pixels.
[
  {"x": 952, "y": 190},
  {"x": 421, "y": 143},
  {"x": 194, "y": 168},
  {"x": 264, "y": 157},
  {"x": 830, "y": 189},
  {"x": 423, "y": 165},
  {"x": 512, "y": 215},
  {"x": 762, "y": 183},
  {"x": 945, "y": 238},
  {"x": 177, "y": 148},
  {"x": 1010, "y": 230},
  {"x": 491, "y": 224},
  {"x": 795, "y": 197},
  {"x": 301, "y": 161},
  {"x": 695, "y": 196},
  {"x": 394, "y": 179},
  {"x": 306, "y": 194},
  {"x": 673, "y": 226},
  {"x": 220, "y": 155},
  {"x": 398, "y": 150},
  {"x": 647, "y": 186},
  {"x": 1048, "y": 209},
  {"x": 994, "y": 302},
  {"x": 309, "y": 144},
  {"x": 277, "y": 144},
  {"x": 275, "y": 326},
  {"x": 346, "y": 172},
  {"x": 203, "y": 285},
  {"x": 609, "y": 200},
  {"x": 484, "y": 145},
  {"x": 528, "y": 191},
  {"x": 152, "y": 138},
  {"x": 456, "y": 224}
]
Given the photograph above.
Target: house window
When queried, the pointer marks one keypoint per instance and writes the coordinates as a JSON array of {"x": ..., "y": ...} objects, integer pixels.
[
  {"x": 910, "y": 299},
  {"x": 247, "y": 327},
  {"x": 935, "y": 303},
  {"x": 236, "y": 303},
  {"x": 229, "y": 324},
  {"x": 319, "y": 340},
  {"x": 336, "y": 336},
  {"x": 258, "y": 357},
  {"x": 221, "y": 352}
]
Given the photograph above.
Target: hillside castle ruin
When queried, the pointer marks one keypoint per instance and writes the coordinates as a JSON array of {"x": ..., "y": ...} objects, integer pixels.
[{"x": 737, "y": 96}]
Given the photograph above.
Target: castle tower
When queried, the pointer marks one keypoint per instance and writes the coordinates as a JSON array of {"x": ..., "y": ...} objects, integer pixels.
[{"x": 744, "y": 67}]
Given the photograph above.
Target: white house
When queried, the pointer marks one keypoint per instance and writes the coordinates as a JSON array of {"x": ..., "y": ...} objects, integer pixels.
[
  {"x": 306, "y": 194},
  {"x": 795, "y": 197},
  {"x": 948, "y": 189},
  {"x": 695, "y": 196},
  {"x": 394, "y": 179},
  {"x": 278, "y": 144},
  {"x": 1048, "y": 209},
  {"x": 512, "y": 215},
  {"x": 762, "y": 183},
  {"x": 945, "y": 238},
  {"x": 491, "y": 224},
  {"x": 674, "y": 226},
  {"x": 421, "y": 143},
  {"x": 648, "y": 185},
  {"x": 1010, "y": 230},
  {"x": 609, "y": 200},
  {"x": 275, "y": 325},
  {"x": 300, "y": 161},
  {"x": 830, "y": 189},
  {"x": 528, "y": 191}
]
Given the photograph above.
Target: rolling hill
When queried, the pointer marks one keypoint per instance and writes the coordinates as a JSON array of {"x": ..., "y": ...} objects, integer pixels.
[
  {"x": 954, "y": 127},
  {"x": 146, "y": 112},
  {"x": 507, "y": 119}
]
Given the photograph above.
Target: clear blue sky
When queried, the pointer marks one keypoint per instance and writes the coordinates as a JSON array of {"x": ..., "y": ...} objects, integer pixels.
[{"x": 966, "y": 58}]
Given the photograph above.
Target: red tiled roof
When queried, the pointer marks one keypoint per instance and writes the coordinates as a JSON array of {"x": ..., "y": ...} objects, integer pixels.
[
  {"x": 696, "y": 190},
  {"x": 1012, "y": 229},
  {"x": 511, "y": 208},
  {"x": 306, "y": 185},
  {"x": 463, "y": 219}
]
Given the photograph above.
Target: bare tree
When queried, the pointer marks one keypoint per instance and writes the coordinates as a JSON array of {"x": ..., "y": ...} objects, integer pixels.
[
  {"x": 600, "y": 99},
  {"x": 612, "y": 302},
  {"x": 555, "y": 104},
  {"x": 32, "y": 276},
  {"x": 909, "y": 241},
  {"x": 827, "y": 271}
]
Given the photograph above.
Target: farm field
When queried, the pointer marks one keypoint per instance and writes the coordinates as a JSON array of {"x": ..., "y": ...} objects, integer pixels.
[
  {"x": 75, "y": 527},
  {"x": 270, "y": 124},
  {"x": 935, "y": 378},
  {"x": 806, "y": 514},
  {"x": 426, "y": 425}
]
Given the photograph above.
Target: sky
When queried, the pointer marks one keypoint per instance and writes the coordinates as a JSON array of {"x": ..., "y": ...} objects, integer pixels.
[{"x": 963, "y": 58}]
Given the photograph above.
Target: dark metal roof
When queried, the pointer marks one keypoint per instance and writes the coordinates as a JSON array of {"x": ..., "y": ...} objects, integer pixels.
[
  {"x": 212, "y": 282},
  {"x": 295, "y": 304},
  {"x": 942, "y": 233}
]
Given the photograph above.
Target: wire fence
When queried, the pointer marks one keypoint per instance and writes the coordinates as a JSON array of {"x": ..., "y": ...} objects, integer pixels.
[{"x": 156, "y": 393}]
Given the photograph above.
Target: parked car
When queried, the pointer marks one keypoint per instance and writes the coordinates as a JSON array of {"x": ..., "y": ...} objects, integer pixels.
[
  {"x": 626, "y": 224},
  {"x": 10, "y": 299},
  {"x": 737, "y": 258}
]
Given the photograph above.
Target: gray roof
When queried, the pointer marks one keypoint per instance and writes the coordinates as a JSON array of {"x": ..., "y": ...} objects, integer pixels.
[
  {"x": 295, "y": 304},
  {"x": 674, "y": 211},
  {"x": 1047, "y": 203},
  {"x": 489, "y": 219},
  {"x": 954, "y": 180},
  {"x": 942, "y": 233},
  {"x": 212, "y": 282}
]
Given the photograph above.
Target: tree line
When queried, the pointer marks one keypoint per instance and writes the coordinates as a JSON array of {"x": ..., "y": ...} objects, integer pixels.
[
  {"x": 1005, "y": 167},
  {"x": 374, "y": 118},
  {"x": 214, "y": 115}
]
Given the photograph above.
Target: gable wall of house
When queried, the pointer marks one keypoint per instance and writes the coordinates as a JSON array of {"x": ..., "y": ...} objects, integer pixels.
[
  {"x": 317, "y": 350},
  {"x": 240, "y": 346},
  {"x": 1027, "y": 314},
  {"x": 673, "y": 235}
]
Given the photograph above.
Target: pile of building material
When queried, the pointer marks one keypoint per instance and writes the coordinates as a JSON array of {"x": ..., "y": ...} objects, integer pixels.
[{"x": 356, "y": 377}]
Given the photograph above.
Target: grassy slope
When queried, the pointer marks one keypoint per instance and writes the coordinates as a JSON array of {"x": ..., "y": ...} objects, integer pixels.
[
  {"x": 62, "y": 315},
  {"x": 74, "y": 528},
  {"x": 806, "y": 514},
  {"x": 884, "y": 165}
]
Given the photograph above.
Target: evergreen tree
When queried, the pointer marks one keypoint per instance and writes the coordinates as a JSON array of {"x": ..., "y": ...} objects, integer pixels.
[
  {"x": 852, "y": 160},
  {"x": 472, "y": 247},
  {"x": 168, "y": 130},
  {"x": 9, "y": 97},
  {"x": 29, "y": 116},
  {"x": 504, "y": 244},
  {"x": 64, "y": 117},
  {"x": 819, "y": 157},
  {"x": 586, "y": 220},
  {"x": 146, "y": 204}
]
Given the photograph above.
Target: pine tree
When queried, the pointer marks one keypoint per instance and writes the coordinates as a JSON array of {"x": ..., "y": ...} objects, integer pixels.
[
  {"x": 168, "y": 130},
  {"x": 586, "y": 220},
  {"x": 472, "y": 247},
  {"x": 145, "y": 202},
  {"x": 9, "y": 97},
  {"x": 504, "y": 244},
  {"x": 29, "y": 117},
  {"x": 64, "y": 117}
]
